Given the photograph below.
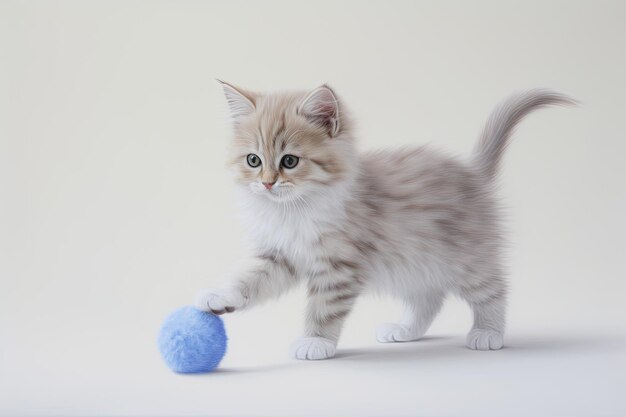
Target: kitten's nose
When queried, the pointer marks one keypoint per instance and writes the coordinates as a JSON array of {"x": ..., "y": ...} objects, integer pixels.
[{"x": 268, "y": 185}]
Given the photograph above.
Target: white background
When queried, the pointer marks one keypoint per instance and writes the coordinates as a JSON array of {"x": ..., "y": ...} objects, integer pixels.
[{"x": 116, "y": 205}]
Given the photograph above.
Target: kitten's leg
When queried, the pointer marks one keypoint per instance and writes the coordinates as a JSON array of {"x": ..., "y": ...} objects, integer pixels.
[
  {"x": 330, "y": 300},
  {"x": 489, "y": 319},
  {"x": 268, "y": 277},
  {"x": 419, "y": 313}
]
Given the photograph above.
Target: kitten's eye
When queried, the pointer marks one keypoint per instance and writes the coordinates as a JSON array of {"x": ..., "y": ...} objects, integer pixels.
[
  {"x": 289, "y": 161},
  {"x": 253, "y": 160}
]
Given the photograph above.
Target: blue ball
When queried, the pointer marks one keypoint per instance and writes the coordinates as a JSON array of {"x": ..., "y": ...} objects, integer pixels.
[{"x": 192, "y": 341}]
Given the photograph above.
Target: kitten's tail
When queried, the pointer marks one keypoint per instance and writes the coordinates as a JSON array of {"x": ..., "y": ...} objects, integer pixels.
[{"x": 503, "y": 120}]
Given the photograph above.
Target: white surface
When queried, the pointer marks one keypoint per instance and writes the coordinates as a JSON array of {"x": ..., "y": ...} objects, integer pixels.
[
  {"x": 116, "y": 208},
  {"x": 538, "y": 374}
]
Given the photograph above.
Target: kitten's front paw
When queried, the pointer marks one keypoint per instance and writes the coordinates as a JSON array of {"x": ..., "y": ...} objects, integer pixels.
[
  {"x": 219, "y": 301},
  {"x": 313, "y": 348},
  {"x": 393, "y": 332},
  {"x": 484, "y": 339}
]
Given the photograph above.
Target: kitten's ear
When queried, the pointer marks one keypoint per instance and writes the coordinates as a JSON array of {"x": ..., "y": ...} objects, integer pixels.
[
  {"x": 322, "y": 108},
  {"x": 240, "y": 102}
]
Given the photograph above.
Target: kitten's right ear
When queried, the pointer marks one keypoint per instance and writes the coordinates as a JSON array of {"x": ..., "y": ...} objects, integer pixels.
[
  {"x": 240, "y": 102},
  {"x": 322, "y": 108}
]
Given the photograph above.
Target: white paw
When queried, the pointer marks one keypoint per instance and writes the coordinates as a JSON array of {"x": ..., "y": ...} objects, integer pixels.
[
  {"x": 393, "y": 332},
  {"x": 484, "y": 339},
  {"x": 313, "y": 348},
  {"x": 219, "y": 301}
]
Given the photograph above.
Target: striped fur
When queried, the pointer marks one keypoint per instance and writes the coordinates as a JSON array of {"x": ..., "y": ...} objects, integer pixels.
[{"x": 413, "y": 222}]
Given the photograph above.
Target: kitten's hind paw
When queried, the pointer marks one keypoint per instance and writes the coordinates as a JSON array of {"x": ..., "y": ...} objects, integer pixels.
[
  {"x": 484, "y": 339},
  {"x": 394, "y": 332},
  {"x": 313, "y": 348}
]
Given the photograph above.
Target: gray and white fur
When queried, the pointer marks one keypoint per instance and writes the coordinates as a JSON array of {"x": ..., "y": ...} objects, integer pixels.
[{"x": 412, "y": 223}]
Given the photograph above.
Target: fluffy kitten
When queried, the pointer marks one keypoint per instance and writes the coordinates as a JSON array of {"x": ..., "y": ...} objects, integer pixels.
[{"x": 412, "y": 223}]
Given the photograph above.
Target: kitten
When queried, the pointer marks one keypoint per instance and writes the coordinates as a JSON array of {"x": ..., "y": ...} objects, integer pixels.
[{"x": 412, "y": 223}]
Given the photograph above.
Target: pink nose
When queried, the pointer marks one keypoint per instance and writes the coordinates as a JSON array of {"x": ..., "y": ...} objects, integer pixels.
[{"x": 268, "y": 185}]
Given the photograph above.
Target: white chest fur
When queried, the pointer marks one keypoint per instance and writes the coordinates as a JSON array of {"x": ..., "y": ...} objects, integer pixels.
[{"x": 293, "y": 231}]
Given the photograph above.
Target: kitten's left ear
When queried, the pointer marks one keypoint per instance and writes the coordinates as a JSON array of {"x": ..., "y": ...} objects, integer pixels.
[
  {"x": 240, "y": 102},
  {"x": 322, "y": 108}
]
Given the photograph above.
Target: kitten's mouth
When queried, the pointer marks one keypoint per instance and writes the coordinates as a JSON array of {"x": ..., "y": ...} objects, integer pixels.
[{"x": 279, "y": 195}]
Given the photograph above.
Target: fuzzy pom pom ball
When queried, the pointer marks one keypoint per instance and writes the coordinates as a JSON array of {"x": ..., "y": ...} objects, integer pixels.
[{"x": 192, "y": 341}]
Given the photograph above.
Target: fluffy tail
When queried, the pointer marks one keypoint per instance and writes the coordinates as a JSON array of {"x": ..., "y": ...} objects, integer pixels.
[{"x": 503, "y": 120}]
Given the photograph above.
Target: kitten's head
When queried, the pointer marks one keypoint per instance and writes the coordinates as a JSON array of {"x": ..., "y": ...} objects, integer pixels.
[{"x": 289, "y": 146}]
